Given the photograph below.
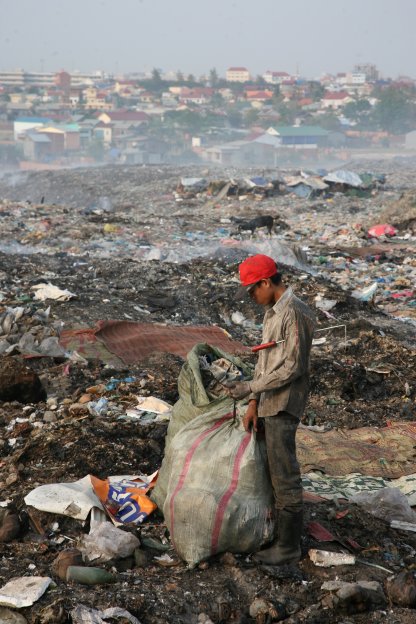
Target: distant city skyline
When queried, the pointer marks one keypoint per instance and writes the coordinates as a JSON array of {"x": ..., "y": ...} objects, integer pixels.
[{"x": 308, "y": 38}]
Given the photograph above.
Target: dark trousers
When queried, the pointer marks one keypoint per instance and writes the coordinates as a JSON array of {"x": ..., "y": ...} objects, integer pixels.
[{"x": 280, "y": 434}]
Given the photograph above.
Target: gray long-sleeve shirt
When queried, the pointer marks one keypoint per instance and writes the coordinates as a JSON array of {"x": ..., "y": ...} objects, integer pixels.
[{"x": 281, "y": 376}]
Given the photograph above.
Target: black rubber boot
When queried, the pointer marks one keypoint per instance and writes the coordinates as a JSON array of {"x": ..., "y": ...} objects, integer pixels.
[{"x": 286, "y": 549}]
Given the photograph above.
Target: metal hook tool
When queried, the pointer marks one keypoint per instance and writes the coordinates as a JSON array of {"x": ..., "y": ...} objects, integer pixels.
[{"x": 234, "y": 410}]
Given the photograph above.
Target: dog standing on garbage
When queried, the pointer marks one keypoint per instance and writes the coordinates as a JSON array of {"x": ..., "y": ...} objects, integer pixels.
[
  {"x": 278, "y": 394},
  {"x": 261, "y": 221}
]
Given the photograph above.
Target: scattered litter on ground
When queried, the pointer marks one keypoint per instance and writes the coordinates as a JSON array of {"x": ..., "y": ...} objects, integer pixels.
[
  {"x": 143, "y": 265},
  {"x": 326, "y": 559}
]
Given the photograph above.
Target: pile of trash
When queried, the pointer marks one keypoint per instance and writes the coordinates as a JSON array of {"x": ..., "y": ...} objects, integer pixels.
[
  {"x": 101, "y": 403},
  {"x": 402, "y": 213},
  {"x": 304, "y": 184}
]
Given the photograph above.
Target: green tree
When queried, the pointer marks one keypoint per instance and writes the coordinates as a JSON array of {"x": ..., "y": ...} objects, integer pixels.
[
  {"x": 251, "y": 117},
  {"x": 213, "y": 77},
  {"x": 277, "y": 98},
  {"x": 155, "y": 84},
  {"x": 156, "y": 76},
  {"x": 359, "y": 111},
  {"x": 329, "y": 121},
  {"x": 288, "y": 111},
  {"x": 217, "y": 101},
  {"x": 395, "y": 111},
  {"x": 235, "y": 118},
  {"x": 315, "y": 90},
  {"x": 176, "y": 122},
  {"x": 260, "y": 81}
]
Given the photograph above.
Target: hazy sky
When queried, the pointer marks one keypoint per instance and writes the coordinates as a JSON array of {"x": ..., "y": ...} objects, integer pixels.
[{"x": 311, "y": 36}]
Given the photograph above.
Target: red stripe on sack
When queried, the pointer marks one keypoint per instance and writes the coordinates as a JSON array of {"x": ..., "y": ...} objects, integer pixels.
[
  {"x": 185, "y": 469},
  {"x": 219, "y": 516}
]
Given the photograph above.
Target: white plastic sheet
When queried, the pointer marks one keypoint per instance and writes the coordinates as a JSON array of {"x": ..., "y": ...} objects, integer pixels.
[
  {"x": 153, "y": 404},
  {"x": 366, "y": 293},
  {"x": 74, "y": 499},
  {"x": 342, "y": 176},
  {"x": 77, "y": 498},
  {"x": 84, "y": 615},
  {"x": 389, "y": 504},
  {"x": 49, "y": 291},
  {"x": 106, "y": 542}
]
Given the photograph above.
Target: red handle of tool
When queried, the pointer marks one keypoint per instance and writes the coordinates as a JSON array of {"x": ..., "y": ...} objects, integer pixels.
[{"x": 265, "y": 345}]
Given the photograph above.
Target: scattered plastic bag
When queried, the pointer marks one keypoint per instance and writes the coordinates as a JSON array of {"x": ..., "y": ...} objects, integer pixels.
[
  {"x": 239, "y": 319},
  {"x": 8, "y": 318},
  {"x": 367, "y": 293},
  {"x": 49, "y": 291},
  {"x": 74, "y": 499},
  {"x": 51, "y": 347},
  {"x": 85, "y": 615},
  {"x": 149, "y": 409},
  {"x": 106, "y": 542},
  {"x": 383, "y": 229},
  {"x": 388, "y": 504},
  {"x": 105, "y": 204},
  {"x": 98, "y": 408},
  {"x": 153, "y": 404},
  {"x": 124, "y": 500},
  {"x": 342, "y": 176},
  {"x": 325, "y": 304},
  {"x": 326, "y": 558}
]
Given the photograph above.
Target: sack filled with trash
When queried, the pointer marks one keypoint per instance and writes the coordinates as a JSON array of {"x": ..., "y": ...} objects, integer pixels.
[
  {"x": 219, "y": 496},
  {"x": 201, "y": 388}
]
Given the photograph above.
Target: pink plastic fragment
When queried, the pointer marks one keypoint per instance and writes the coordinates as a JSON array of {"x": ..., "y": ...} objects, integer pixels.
[{"x": 384, "y": 229}]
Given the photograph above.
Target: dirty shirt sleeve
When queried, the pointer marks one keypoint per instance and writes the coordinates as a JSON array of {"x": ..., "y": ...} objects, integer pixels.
[
  {"x": 254, "y": 396},
  {"x": 290, "y": 364}
]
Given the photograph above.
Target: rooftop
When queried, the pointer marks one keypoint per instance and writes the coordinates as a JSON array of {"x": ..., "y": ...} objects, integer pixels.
[
  {"x": 335, "y": 95},
  {"x": 300, "y": 131}
]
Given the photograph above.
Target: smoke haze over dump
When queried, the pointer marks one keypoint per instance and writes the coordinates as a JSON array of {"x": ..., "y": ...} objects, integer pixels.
[{"x": 136, "y": 35}]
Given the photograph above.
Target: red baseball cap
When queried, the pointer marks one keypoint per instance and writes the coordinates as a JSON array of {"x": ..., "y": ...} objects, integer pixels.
[{"x": 256, "y": 268}]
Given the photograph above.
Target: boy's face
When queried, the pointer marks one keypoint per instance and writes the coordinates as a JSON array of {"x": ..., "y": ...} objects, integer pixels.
[{"x": 262, "y": 292}]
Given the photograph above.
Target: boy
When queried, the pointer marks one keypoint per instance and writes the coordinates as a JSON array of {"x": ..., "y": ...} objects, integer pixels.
[{"x": 278, "y": 394}]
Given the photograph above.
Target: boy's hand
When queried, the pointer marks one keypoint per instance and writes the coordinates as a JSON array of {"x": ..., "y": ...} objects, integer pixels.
[
  {"x": 250, "y": 417},
  {"x": 239, "y": 390}
]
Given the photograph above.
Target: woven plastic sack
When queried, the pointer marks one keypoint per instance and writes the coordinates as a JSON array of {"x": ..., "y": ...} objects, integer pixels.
[
  {"x": 193, "y": 397},
  {"x": 219, "y": 494},
  {"x": 193, "y": 401}
]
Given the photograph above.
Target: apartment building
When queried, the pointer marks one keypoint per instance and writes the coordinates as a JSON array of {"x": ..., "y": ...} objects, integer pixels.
[{"x": 237, "y": 74}]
